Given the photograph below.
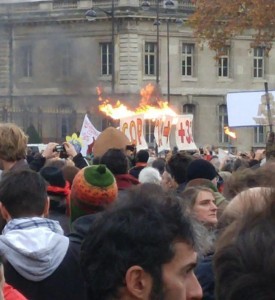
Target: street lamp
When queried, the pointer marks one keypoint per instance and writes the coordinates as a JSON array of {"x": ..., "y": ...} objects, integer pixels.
[
  {"x": 178, "y": 22},
  {"x": 91, "y": 15},
  {"x": 168, "y": 4}
]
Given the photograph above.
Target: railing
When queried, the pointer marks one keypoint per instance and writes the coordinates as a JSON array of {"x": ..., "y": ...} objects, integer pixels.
[
  {"x": 186, "y": 4},
  {"x": 19, "y": 7},
  {"x": 180, "y": 4},
  {"x": 25, "y": 7},
  {"x": 60, "y": 4},
  {"x": 105, "y": 3}
]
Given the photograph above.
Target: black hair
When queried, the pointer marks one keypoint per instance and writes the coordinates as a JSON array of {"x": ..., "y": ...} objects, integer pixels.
[
  {"x": 178, "y": 165},
  {"x": 140, "y": 229},
  {"x": 23, "y": 193},
  {"x": 142, "y": 156},
  {"x": 116, "y": 161}
]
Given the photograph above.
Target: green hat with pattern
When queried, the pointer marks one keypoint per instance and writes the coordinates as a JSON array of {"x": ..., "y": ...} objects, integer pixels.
[{"x": 93, "y": 188}]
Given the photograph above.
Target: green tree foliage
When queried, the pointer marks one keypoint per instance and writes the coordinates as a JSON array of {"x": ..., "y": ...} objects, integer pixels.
[
  {"x": 34, "y": 137},
  {"x": 217, "y": 21}
]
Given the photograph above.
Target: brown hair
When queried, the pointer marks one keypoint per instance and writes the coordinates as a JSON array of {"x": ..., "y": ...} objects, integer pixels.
[
  {"x": 245, "y": 247},
  {"x": 250, "y": 201},
  {"x": 13, "y": 142},
  {"x": 190, "y": 195}
]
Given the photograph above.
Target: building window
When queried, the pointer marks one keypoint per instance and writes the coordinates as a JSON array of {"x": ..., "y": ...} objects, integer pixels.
[
  {"x": 26, "y": 59},
  {"x": 150, "y": 58},
  {"x": 187, "y": 60},
  {"x": 258, "y": 62},
  {"x": 189, "y": 109},
  {"x": 223, "y": 70},
  {"x": 66, "y": 60},
  {"x": 149, "y": 131},
  {"x": 223, "y": 121},
  {"x": 259, "y": 135},
  {"x": 106, "y": 58}
]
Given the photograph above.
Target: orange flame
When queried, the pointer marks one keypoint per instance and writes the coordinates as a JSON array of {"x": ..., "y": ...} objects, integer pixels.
[
  {"x": 150, "y": 105},
  {"x": 230, "y": 133}
]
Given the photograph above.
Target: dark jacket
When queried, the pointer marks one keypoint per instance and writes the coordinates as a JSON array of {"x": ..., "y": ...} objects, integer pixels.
[
  {"x": 205, "y": 275},
  {"x": 21, "y": 164},
  {"x": 38, "y": 162},
  {"x": 181, "y": 187},
  {"x": 66, "y": 283},
  {"x": 80, "y": 227},
  {"x": 137, "y": 169}
]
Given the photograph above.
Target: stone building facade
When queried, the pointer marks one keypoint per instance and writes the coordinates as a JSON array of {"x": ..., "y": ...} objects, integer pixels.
[{"x": 52, "y": 59}]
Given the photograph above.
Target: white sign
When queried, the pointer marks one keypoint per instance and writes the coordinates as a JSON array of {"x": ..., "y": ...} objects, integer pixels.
[
  {"x": 88, "y": 135},
  {"x": 249, "y": 108},
  {"x": 162, "y": 132},
  {"x": 184, "y": 136},
  {"x": 133, "y": 128}
]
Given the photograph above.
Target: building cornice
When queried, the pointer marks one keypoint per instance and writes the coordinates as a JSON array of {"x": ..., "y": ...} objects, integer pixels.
[{"x": 73, "y": 15}]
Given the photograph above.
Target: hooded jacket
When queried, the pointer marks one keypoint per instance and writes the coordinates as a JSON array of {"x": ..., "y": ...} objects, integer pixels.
[{"x": 39, "y": 261}]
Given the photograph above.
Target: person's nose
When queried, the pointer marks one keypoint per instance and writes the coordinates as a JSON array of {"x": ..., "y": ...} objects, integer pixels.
[
  {"x": 213, "y": 206},
  {"x": 194, "y": 290}
]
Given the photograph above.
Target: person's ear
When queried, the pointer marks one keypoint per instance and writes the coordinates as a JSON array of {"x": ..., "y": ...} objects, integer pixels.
[
  {"x": 138, "y": 282},
  {"x": 5, "y": 214},
  {"x": 46, "y": 208}
]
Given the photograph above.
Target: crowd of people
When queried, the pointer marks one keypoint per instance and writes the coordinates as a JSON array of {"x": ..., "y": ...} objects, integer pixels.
[{"x": 129, "y": 225}]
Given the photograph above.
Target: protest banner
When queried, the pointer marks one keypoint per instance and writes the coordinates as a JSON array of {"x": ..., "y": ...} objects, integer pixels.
[
  {"x": 88, "y": 135},
  {"x": 183, "y": 133},
  {"x": 133, "y": 128},
  {"x": 162, "y": 132}
]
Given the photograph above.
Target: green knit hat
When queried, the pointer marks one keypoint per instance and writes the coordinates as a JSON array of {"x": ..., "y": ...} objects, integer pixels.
[{"x": 93, "y": 188}]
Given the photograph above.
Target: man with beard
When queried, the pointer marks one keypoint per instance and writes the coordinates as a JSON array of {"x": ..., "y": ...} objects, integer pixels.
[{"x": 141, "y": 248}]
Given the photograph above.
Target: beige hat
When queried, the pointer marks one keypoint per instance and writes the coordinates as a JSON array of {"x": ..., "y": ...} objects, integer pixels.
[{"x": 110, "y": 138}]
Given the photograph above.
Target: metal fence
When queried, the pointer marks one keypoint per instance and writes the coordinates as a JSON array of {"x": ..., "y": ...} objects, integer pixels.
[
  {"x": 105, "y": 3},
  {"x": 179, "y": 4},
  {"x": 60, "y": 4}
]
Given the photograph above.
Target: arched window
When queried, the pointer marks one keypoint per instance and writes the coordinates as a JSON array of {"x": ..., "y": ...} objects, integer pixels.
[
  {"x": 189, "y": 109},
  {"x": 64, "y": 119},
  {"x": 223, "y": 121}
]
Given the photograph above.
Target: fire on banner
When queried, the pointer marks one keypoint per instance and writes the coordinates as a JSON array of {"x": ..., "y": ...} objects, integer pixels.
[{"x": 133, "y": 128}]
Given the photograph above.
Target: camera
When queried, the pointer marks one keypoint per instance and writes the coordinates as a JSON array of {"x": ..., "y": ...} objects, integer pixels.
[{"x": 59, "y": 148}]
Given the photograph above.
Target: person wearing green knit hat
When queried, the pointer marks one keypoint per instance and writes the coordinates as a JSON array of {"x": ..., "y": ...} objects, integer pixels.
[{"x": 93, "y": 188}]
